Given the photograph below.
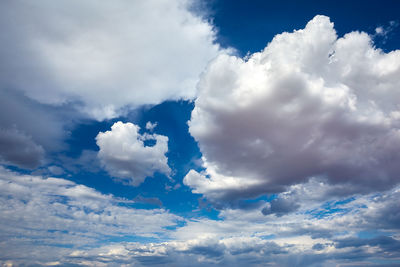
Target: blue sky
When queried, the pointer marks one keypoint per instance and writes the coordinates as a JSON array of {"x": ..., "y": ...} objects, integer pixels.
[{"x": 199, "y": 133}]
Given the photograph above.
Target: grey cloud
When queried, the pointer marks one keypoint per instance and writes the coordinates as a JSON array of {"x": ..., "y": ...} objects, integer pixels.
[
  {"x": 86, "y": 161},
  {"x": 318, "y": 246},
  {"x": 45, "y": 124},
  {"x": 280, "y": 207},
  {"x": 19, "y": 150},
  {"x": 386, "y": 211},
  {"x": 208, "y": 251},
  {"x": 386, "y": 243},
  {"x": 148, "y": 200}
]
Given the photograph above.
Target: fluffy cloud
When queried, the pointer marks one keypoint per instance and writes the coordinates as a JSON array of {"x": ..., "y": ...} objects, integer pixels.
[
  {"x": 83, "y": 52},
  {"x": 125, "y": 155},
  {"x": 309, "y": 105},
  {"x": 43, "y": 219}
]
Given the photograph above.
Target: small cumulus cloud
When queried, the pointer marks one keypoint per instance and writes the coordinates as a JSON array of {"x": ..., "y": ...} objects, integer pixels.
[
  {"x": 151, "y": 126},
  {"x": 124, "y": 154}
]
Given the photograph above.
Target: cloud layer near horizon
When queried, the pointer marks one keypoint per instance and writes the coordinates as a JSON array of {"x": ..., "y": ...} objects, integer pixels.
[
  {"x": 309, "y": 105},
  {"x": 84, "y": 52},
  {"x": 39, "y": 214},
  {"x": 53, "y": 221}
]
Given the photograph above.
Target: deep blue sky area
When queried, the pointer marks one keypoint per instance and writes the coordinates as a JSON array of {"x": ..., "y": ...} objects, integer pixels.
[{"x": 249, "y": 25}]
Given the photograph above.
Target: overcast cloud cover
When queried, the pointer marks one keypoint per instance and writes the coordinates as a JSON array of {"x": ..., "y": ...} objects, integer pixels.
[{"x": 132, "y": 133}]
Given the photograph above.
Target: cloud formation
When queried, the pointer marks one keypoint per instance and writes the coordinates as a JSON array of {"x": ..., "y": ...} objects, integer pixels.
[
  {"x": 43, "y": 219},
  {"x": 29, "y": 130},
  {"x": 53, "y": 221},
  {"x": 247, "y": 237},
  {"x": 82, "y": 52},
  {"x": 19, "y": 150},
  {"x": 309, "y": 105},
  {"x": 125, "y": 155}
]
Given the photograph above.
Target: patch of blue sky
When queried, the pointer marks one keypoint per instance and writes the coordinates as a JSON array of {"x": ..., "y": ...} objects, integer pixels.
[
  {"x": 371, "y": 233},
  {"x": 179, "y": 224},
  {"x": 83, "y": 136},
  {"x": 57, "y": 231},
  {"x": 332, "y": 207},
  {"x": 210, "y": 213},
  {"x": 183, "y": 155},
  {"x": 261, "y": 20},
  {"x": 268, "y": 237}
]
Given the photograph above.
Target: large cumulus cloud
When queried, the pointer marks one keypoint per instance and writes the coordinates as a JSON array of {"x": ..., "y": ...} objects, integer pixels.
[
  {"x": 125, "y": 155},
  {"x": 309, "y": 105},
  {"x": 82, "y": 52}
]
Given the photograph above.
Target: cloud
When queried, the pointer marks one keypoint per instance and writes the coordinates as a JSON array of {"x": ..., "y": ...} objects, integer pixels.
[
  {"x": 82, "y": 53},
  {"x": 19, "y": 150},
  {"x": 55, "y": 221},
  {"x": 151, "y": 126},
  {"x": 44, "y": 124},
  {"x": 280, "y": 206},
  {"x": 247, "y": 237},
  {"x": 383, "y": 33},
  {"x": 309, "y": 105},
  {"x": 148, "y": 200},
  {"x": 124, "y": 153},
  {"x": 44, "y": 220},
  {"x": 87, "y": 161}
]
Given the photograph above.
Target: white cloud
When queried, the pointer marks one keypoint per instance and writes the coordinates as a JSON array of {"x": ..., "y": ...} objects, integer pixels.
[
  {"x": 125, "y": 155},
  {"x": 247, "y": 237},
  {"x": 309, "y": 105},
  {"x": 45, "y": 219},
  {"x": 104, "y": 55},
  {"x": 151, "y": 126}
]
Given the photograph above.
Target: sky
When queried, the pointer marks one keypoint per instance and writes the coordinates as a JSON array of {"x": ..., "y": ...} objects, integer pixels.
[{"x": 199, "y": 133}]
